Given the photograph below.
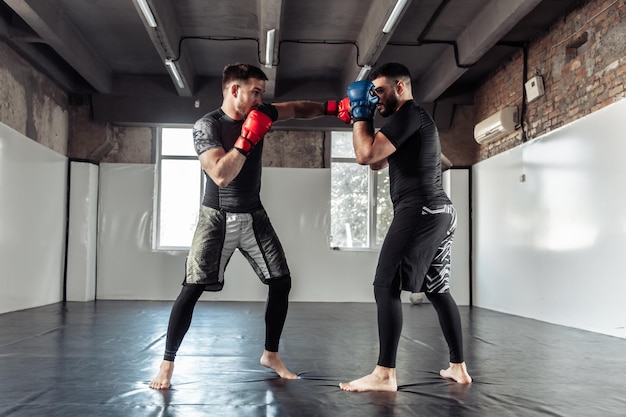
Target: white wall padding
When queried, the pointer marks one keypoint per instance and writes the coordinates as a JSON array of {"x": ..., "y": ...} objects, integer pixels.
[
  {"x": 457, "y": 186},
  {"x": 33, "y": 185},
  {"x": 82, "y": 237},
  {"x": 127, "y": 267},
  {"x": 298, "y": 203},
  {"x": 550, "y": 226}
]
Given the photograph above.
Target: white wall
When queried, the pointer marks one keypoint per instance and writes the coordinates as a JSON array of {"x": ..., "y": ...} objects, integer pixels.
[
  {"x": 552, "y": 247},
  {"x": 298, "y": 202},
  {"x": 109, "y": 250},
  {"x": 457, "y": 186},
  {"x": 32, "y": 222},
  {"x": 82, "y": 233}
]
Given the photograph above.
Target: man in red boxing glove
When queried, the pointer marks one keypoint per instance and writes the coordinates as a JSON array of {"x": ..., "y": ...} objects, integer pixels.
[
  {"x": 229, "y": 143},
  {"x": 340, "y": 108},
  {"x": 257, "y": 124}
]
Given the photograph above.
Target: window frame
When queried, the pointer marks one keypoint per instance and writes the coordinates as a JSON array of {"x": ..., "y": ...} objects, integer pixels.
[
  {"x": 372, "y": 204},
  {"x": 156, "y": 232}
]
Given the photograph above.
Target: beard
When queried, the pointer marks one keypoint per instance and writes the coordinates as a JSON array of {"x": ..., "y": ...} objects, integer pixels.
[
  {"x": 389, "y": 107},
  {"x": 243, "y": 111}
]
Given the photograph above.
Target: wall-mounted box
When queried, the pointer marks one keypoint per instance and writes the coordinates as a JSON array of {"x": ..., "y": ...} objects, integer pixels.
[{"x": 534, "y": 88}]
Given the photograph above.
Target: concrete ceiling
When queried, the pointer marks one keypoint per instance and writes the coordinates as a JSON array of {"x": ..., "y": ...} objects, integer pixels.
[{"x": 107, "y": 51}]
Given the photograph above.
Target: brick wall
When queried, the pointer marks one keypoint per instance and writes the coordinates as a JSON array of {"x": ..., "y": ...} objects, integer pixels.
[
  {"x": 582, "y": 60},
  {"x": 457, "y": 141}
]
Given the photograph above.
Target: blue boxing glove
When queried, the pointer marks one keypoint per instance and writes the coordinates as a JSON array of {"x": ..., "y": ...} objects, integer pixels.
[{"x": 363, "y": 100}]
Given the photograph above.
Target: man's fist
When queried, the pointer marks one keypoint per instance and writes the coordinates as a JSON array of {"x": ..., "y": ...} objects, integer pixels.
[
  {"x": 256, "y": 125},
  {"x": 363, "y": 100},
  {"x": 341, "y": 109}
]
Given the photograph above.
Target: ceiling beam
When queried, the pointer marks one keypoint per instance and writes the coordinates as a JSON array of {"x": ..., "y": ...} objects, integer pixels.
[
  {"x": 166, "y": 39},
  {"x": 371, "y": 40},
  {"x": 21, "y": 41},
  {"x": 494, "y": 21},
  {"x": 269, "y": 12},
  {"x": 47, "y": 19}
]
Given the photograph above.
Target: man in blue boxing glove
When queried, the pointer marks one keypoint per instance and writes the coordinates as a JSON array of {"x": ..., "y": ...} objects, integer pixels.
[
  {"x": 363, "y": 100},
  {"x": 415, "y": 255}
]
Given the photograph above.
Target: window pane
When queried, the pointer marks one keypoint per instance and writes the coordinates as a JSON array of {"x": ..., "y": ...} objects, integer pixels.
[
  {"x": 180, "y": 200},
  {"x": 177, "y": 141},
  {"x": 349, "y": 205},
  {"x": 384, "y": 208},
  {"x": 341, "y": 145}
]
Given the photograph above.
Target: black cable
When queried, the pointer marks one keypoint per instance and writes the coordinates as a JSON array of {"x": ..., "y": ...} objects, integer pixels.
[
  {"x": 216, "y": 38},
  {"x": 68, "y": 183},
  {"x": 238, "y": 38},
  {"x": 432, "y": 20},
  {"x": 421, "y": 39},
  {"x": 522, "y": 116},
  {"x": 524, "y": 47}
]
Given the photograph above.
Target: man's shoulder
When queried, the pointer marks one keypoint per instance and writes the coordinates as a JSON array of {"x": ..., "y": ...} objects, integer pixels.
[
  {"x": 412, "y": 105},
  {"x": 270, "y": 110},
  {"x": 216, "y": 119},
  {"x": 214, "y": 115}
]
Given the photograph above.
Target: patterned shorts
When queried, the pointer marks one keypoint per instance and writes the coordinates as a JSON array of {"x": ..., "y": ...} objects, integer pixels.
[
  {"x": 416, "y": 252},
  {"x": 219, "y": 233}
]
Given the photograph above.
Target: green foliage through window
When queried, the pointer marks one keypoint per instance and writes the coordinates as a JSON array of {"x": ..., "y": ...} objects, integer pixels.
[{"x": 361, "y": 209}]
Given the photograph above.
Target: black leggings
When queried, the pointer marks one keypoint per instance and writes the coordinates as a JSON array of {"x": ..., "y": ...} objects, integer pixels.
[
  {"x": 389, "y": 308},
  {"x": 182, "y": 312}
]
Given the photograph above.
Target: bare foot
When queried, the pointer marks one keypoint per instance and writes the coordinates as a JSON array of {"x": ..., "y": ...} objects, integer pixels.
[
  {"x": 381, "y": 379},
  {"x": 164, "y": 378},
  {"x": 458, "y": 372},
  {"x": 272, "y": 361}
]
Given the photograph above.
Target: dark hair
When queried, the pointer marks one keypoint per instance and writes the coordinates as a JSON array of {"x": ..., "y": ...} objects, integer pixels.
[
  {"x": 241, "y": 72},
  {"x": 391, "y": 70}
]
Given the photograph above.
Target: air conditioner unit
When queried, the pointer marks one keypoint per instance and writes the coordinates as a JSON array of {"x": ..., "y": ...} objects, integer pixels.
[{"x": 497, "y": 125}]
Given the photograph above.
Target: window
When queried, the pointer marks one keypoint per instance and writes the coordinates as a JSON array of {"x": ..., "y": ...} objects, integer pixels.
[
  {"x": 180, "y": 188},
  {"x": 361, "y": 209}
]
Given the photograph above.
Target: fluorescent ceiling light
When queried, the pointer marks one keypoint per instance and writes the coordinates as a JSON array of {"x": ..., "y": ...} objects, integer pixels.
[
  {"x": 171, "y": 67},
  {"x": 269, "y": 48},
  {"x": 147, "y": 13},
  {"x": 393, "y": 17},
  {"x": 363, "y": 73}
]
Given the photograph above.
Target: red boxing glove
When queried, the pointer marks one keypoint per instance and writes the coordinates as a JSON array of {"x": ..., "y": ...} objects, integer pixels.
[
  {"x": 256, "y": 125},
  {"x": 341, "y": 109}
]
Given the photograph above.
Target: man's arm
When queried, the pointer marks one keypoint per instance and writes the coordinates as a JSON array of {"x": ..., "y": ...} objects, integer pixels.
[
  {"x": 369, "y": 148},
  {"x": 222, "y": 166},
  {"x": 302, "y": 109},
  {"x": 377, "y": 166},
  {"x": 446, "y": 164}
]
